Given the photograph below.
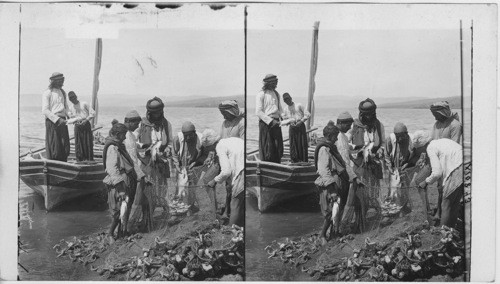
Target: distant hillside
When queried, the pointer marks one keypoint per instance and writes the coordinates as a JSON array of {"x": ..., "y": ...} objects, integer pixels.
[
  {"x": 127, "y": 100},
  {"x": 337, "y": 101},
  {"x": 455, "y": 103},
  {"x": 208, "y": 102}
]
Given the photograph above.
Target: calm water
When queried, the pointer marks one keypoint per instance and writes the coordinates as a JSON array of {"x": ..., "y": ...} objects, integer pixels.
[
  {"x": 299, "y": 217},
  {"x": 40, "y": 231}
]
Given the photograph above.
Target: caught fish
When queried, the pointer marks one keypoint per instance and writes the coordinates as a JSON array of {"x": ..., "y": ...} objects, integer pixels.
[
  {"x": 335, "y": 211},
  {"x": 123, "y": 210},
  {"x": 367, "y": 151},
  {"x": 182, "y": 182},
  {"x": 394, "y": 185}
]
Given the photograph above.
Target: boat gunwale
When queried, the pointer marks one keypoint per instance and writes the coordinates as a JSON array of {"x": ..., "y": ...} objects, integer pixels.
[{"x": 278, "y": 165}]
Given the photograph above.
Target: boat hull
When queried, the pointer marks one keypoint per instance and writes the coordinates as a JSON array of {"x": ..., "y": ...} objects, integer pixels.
[
  {"x": 58, "y": 182},
  {"x": 273, "y": 183}
]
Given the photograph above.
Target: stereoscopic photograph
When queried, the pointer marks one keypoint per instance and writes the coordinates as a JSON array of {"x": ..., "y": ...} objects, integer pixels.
[
  {"x": 131, "y": 142},
  {"x": 270, "y": 141},
  {"x": 358, "y": 143}
]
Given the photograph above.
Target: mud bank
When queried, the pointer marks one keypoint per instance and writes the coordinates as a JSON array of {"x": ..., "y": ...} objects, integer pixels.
[
  {"x": 323, "y": 258},
  {"x": 195, "y": 247}
]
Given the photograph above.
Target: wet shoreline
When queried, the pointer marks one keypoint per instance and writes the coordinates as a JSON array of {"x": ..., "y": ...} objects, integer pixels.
[{"x": 39, "y": 231}]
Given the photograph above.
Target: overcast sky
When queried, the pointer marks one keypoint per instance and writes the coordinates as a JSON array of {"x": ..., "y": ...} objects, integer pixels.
[
  {"x": 364, "y": 50},
  {"x": 192, "y": 50}
]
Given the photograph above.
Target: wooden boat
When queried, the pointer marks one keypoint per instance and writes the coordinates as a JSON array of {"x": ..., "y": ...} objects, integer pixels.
[
  {"x": 273, "y": 183},
  {"x": 60, "y": 181}
]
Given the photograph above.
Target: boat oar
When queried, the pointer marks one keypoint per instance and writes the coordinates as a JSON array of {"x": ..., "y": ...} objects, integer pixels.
[
  {"x": 43, "y": 148},
  {"x": 255, "y": 151}
]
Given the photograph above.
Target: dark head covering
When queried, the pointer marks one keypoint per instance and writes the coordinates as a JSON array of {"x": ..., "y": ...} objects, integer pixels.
[
  {"x": 270, "y": 78},
  {"x": 188, "y": 126},
  {"x": 442, "y": 108},
  {"x": 400, "y": 128},
  {"x": 230, "y": 106},
  {"x": 56, "y": 76},
  {"x": 367, "y": 106},
  {"x": 155, "y": 105},
  {"x": 286, "y": 95},
  {"x": 71, "y": 95}
]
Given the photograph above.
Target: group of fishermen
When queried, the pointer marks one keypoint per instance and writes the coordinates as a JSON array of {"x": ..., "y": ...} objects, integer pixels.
[
  {"x": 138, "y": 153},
  {"x": 351, "y": 156}
]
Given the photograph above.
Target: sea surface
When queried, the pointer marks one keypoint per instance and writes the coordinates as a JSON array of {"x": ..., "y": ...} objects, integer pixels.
[
  {"x": 299, "y": 217},
  {"x": 39, "y": 231}
]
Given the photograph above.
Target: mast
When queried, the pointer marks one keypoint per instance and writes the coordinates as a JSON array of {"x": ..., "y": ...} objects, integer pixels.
[
  {"x": 95, "y": 86},
  {"x": 312, "y": 74}
]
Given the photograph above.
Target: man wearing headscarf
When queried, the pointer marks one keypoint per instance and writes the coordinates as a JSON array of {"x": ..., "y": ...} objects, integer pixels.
[
  {"x": 447, "y": 124},
  {"x": 295, "y": 116},
  {"x": 155, "y": 140},
  {"x": 185, "y": 156},
  {"x": 82, "y": 114},
  {"x": 353, "y": 203},
  {"x": 233, "y": 126},
  {"x": 399, "y": 149},
  {"x": 138, "y": 202},
  {"x": 446, "y": 161},
  {"x": 120, "y": 179},
  {"x": 368, "y": 136},
  {"x": 234, "y": 120},
  {"x": 332, "y": 180},
  {"x": 231, "y": 155},
  {"x": 268, "y": 109},
  {"x": 55, "y": 110}
]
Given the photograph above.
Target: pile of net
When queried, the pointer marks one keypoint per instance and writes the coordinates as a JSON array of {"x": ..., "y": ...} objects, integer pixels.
[
  {"x": 421, "y": 253},
  {"x": 206, "y": 255},
  {"x": 86, "y": 249}
]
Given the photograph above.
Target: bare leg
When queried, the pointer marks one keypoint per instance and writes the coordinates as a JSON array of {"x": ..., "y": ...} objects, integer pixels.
[
  {"x": 425, "y": 203},
  {"x": 213, "y": 198},
  {"x": 326, "y": 225},
  {"x": 440, "y": 201}
]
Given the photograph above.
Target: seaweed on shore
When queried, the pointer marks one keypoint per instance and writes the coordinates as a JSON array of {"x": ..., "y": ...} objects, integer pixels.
[{"x": 420, "y": 253}]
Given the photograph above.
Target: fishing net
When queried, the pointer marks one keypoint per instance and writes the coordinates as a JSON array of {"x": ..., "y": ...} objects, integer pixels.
[
  {"x": 419, "y": 252},
  {"x": 185, "y": 195},
  {"x": 405, "y": 248},
  {"x": 205, "y": 252}
]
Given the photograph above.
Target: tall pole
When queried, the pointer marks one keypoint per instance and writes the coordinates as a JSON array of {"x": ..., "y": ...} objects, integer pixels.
[
  {"x": 469, "y": 203},
  {"x": 312, "y": 74},
  {"x": 461, "y": 72},
  {"x": 95, "y": 86}
]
